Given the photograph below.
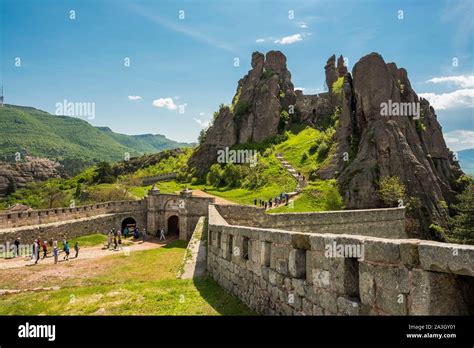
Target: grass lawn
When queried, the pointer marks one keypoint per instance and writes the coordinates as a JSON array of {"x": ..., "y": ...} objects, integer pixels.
[
  {"x": 89, "y": 240},
  {"x": 142, "y": 283}
]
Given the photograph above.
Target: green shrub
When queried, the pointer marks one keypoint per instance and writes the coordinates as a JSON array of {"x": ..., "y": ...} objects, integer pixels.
[
  {"x": 333, "y": 199},
  {"x": 304, "y": 157},
  {"x": 391, "y": 190},
  {"x": 267, "y": 73},
  {"x": 231, "y": 175},
  {"x": 437, "y": 230},
  {"x": 420, "y": 126},
  {"x": 284, "y": 117},
  {"x": 242, "y": 108},
  {"x": 202, "y": 136},
  {"x": 323, "y": 151},
  {"x": 214, "y": 176},
  {"x": 337, "y": 86}
]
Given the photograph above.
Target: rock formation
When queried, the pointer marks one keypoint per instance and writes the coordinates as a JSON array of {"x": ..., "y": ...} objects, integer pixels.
[
  {"x": 33, "y": 169},
  {"x": 369, "y": 144},
  {"x": 255, "y": 113},
  {"x": 398, "y": 145}
]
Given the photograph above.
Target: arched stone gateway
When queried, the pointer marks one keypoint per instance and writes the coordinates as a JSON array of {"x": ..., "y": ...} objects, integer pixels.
[
  {"x": 177, "y": 214},
  {"x": 129, "y": 222},
  {"x": 173, "y": 226}
]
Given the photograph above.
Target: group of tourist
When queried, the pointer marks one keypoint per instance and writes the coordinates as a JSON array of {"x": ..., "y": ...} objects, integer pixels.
[
  {"x": 46, "y": 247},
  {"x": 114, "y": 237},
  {"x": 40, "y": 250},
  {"x": 283, "y": 198}
]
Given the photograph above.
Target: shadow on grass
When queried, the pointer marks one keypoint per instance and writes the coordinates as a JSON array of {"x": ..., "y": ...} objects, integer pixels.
[{"x": 223, "y": 302}]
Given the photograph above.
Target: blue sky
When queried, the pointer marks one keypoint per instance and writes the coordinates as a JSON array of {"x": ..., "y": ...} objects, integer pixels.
[{"x": 190, "y": 61}]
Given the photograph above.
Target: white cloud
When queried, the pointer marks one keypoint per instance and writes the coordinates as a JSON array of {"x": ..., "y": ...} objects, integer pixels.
[
  {"x": 202, "y": 113},
  {"x": 463, "y": 81},
  {"x": 134, "y": 97},
  {"x": 303, "y": 25},
  {"x": 165, "y": 103},
  {"x": 459, "y": 139},
  {"x": 461, "y": 98},
  {"x": 288, "y": 40},
  {"x": 202, "y": 123},
  {"x": 260, "y": 40},
  {"x": 309, "y": 91}
]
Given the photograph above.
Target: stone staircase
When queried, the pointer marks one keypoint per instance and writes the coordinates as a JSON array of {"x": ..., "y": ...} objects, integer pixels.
[{"x": 301, "y": 183}]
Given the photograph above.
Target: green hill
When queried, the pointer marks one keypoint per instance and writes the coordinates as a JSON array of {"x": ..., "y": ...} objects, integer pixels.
[
  {"x": 144, "y": 143},
  {"x": 67, "y": 139}
]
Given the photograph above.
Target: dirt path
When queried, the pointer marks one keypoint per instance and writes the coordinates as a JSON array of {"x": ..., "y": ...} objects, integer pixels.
[
  {"x": 219, "y": 200},
  {"x": 84, "y": 254}
]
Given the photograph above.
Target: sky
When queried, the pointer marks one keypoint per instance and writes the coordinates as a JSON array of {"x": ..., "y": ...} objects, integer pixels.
[{"x": 164, "y": 67}]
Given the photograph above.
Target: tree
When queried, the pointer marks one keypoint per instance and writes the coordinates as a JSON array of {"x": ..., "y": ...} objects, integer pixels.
[
  {"x": 104, "y": 173},
  {"x": 231, "y": 175},
  {"x": 77, "y": 193},
  {"x": 11, "y": 188},
  {"x": 202, "y": 136},
  {"x": 53, "y": 195},
  {"x": 214, "y": 177},
  {"x": 462, "y": 224},
  {"x": 333, "y": 200},
  {"x": 391, "y": 190}
]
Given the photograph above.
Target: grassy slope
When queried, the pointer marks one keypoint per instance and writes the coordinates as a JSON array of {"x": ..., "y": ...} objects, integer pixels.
[
  {"x": 313, "y": 198},
  {"x": 299, "y": 143},
  {"x": 143, "y": 283},
  {"x": 280, "y": 181}
]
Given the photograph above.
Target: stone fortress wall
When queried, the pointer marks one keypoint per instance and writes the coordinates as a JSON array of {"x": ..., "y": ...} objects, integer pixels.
[
  {"x": 43, "y": 216},
  {"x": 152, "y": 213},
  {"x": 70, "y": 222},
  {"x": 281, "y": 272},
  {"x": 384, "y": 223}
]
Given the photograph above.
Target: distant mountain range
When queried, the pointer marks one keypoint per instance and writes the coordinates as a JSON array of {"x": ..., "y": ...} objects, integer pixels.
[
  {"x": 30, "y": 131},
  {"x": 466, "y": 160}
]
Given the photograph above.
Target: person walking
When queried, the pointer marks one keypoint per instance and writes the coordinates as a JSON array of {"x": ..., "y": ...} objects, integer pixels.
[
  {"x": 55, "y": 251},
  {"x": 76, "y": 249},
  {"x": 115, "y": 242},
  {"x": 17, "y": 247},
  {"x": 144, "y": 235},
  {"x": 119, "y": 241},
  {"x": 36, "y": 251},
  {"x": 45, "y": 249},
  {"x": 125, "y": 232},
  {"x": 162, "y": 234},
  {"x": 109, "y": 239},
  {"x": 66, "y": 250}
]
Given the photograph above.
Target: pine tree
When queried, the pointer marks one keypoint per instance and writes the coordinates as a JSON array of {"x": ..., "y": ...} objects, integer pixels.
[{"x": 462, "y": 224}]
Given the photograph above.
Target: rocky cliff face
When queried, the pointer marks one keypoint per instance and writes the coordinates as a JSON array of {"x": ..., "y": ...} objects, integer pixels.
[
  {"x": 371, "y": 144},
  {"x": 381, "y": 145},
  {"x": 33, "y": 169},
  {"x": 255, "y": 113}
]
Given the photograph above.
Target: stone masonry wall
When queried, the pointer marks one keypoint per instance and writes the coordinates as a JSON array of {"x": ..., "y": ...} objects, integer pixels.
[
  {"x": 43, "y": 216},
  {"x": 293, "y": 273},
  {"x": 71, "y": 228},
  {"x": 385, "y": 223}
]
